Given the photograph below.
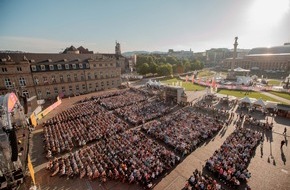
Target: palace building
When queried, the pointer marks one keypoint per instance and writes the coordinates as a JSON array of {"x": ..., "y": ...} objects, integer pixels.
[
  {"x": 273, "y": 60},
  {"x": 47, "y": 75}
]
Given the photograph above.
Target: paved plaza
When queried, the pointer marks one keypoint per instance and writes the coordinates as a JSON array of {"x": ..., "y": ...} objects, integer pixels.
[{"x": 269, "y": 167}]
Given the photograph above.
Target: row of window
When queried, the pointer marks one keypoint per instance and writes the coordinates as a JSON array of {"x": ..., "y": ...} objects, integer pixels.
[
  {"x": 77, "y": 88},
  {"x": 60, "y": 67},
  {"x": 69, "y": 78},
  {"x": 66, "y": 66},
  {"x": 4, "y": 69},
  {"x": 8, "y": 83}
]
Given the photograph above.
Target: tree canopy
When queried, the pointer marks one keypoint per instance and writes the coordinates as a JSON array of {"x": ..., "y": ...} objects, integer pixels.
[{"x": 165, "y": 65}]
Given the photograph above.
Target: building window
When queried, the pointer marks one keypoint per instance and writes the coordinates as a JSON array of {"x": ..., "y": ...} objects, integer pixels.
[
  {"x": 108, "y": 83},
  {"x": 55, "y": 90},
  {"x": 90, "y": 86},
  {"x": 77, "y": 87},
  {"x": 33, "y": 67},
  {"x": 96, "y": 75},
  {"x": 19, "y": 69},
  {"x": 101, "y": 64},
  {"x": 39, "y": 94},
  {"x": 102, "y": 83},
  {"x": 63, "y": 89},
  {"x": 84, "y": 86},
  {"x": 87, "y": 65},
  {"x": 22, "y": 81},
  {"x": 81, "y": 66},
  {"x": 70, "y": 88},
  {"x": 111, "y": 64},
  {"x": 59, "y": 66},
  {"x": 66, "y": 66},
  {"x": 68, "y": 78},
  {"x": 42, "y": 67},
  {"x": 25, "y": 93},
  {"x": 74, "y": 66},
  {"x": 106, "y": 65},
  {"x": 51, "y": 67},
  {"x": 8, "y": 83},
  {"x": 89, "y": 76},
  {"x": 36, "y": 81},
  {"x": 95, "y": 65},
  {"x": 82, "y": 77},
  {"x": 76, "y": 77},
  {"x": 47, "y": 92},
  {"x": 4, "y": 69},
  {"x": 61, "y": 78},
  {"x": 101, "y": 73},
  {"x": 53, "y": 79},
  {"x": 97, "y": 85},
  {"x": 45, "y": 80}
]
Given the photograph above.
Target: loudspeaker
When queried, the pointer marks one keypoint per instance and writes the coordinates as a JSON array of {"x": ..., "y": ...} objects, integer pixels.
[{"x": 13, "y": 144}]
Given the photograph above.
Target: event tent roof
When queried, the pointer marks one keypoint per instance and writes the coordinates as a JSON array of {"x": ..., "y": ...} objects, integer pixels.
[
  {"x": 246, "y": 100},
  {"x": 260, "y": 102}
]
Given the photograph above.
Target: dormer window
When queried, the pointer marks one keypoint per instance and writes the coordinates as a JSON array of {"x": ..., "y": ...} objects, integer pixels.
[
  {"x": 74, "y": 66},
  {"x": 81, "y": 66},
  {"x": 51, "y": 67},
  {"x": 66, "y": 66},
  {"x": 59, "y": 66},
  {"x": 33, "y": 67},
  {"x": 42, "y": 67}
]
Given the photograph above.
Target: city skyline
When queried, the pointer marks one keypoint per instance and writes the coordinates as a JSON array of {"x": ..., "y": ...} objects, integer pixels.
[{"x": 50, "y": 27}]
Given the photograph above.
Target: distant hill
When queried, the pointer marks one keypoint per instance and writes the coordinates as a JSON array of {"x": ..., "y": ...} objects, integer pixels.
[
  {"x": 130, "y": 53},
  {"x": 10, "y": 51}
]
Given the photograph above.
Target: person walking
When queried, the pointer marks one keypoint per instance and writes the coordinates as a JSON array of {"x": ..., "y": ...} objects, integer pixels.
[
  {"x": 282, "y": 143},
  {"x": 285, "y": 131}
]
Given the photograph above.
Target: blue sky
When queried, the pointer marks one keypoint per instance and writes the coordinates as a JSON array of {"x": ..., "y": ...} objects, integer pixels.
[{"x": 153, "y": 25}]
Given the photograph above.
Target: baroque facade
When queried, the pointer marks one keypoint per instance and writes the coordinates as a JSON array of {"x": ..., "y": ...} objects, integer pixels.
[
  {"x": 66, "y": 74},
  {"x": 265, "y": 60}
]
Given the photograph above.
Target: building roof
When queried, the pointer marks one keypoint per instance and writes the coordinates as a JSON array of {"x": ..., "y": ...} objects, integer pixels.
[
  {"x": 271, "y": 50},
  {"x": 49, "y": 57}
]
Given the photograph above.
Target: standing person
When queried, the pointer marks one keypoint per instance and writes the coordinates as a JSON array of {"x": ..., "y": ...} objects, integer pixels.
[
  {"x": 285, "y": 130},
  {"x": 282, "y": 143}
]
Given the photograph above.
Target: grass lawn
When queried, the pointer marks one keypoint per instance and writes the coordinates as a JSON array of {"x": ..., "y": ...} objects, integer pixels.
[
  {"x": 205, "y": 73},
  {"x": 274, "y": 82},
  {"x": 187, "y": 85},
  {"x": 241, "y": 94},
  {"x": 281, "y": 94}
]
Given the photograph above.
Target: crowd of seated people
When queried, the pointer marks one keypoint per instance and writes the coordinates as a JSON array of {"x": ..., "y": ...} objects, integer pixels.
[
  {"x": 103, "y": 94},
  {"x": 69, "y": 130},
  {"x": 197, "y": 181},
  {"x": 76, "y": 111},
  {"x": 209, "y": 109},
  {"x": 127, "y": 98},
  {"x": 230, "y": 162},
  {"x": 142, "y": 112},
  {"x": 128, "y": 157},
  {"x": 183, "y": 130},
  {"x": 251, "y": 121}
]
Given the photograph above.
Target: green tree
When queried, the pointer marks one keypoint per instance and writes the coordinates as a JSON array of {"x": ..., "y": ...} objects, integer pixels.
[
  {"x": 164, "y": 69},
  {"x": 143, "y": 69},
  {"x": 171, "y": 60}
]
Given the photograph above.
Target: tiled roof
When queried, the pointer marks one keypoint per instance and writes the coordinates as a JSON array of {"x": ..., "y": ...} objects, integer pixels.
[{"x": 48, "y": 57}]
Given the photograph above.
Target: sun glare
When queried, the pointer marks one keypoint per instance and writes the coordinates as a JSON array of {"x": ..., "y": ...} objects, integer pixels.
[{"x": 268, "y": 12}]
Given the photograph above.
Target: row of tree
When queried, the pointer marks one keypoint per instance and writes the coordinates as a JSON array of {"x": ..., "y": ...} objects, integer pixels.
[{"x": 165, "y": 65}]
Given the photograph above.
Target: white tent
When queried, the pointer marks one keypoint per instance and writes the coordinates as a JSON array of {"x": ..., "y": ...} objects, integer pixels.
[
  {"x": 259, "y": 102},
  {"x": 246, "y": 100},
  {"x": 270, "y": 104}
]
